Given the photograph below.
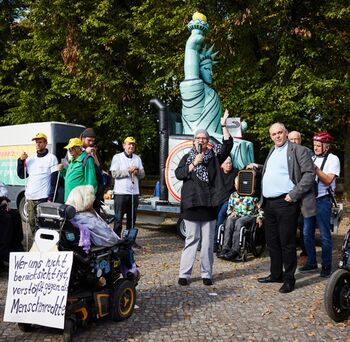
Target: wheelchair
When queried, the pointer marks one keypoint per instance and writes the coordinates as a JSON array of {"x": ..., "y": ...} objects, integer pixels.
[
  {"x": 103, "y": 281},
  {"x": 251, "y": 239},
  {"x": 337, "y": 292}
]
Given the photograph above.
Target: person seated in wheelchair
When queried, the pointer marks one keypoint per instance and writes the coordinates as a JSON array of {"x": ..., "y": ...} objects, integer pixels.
[
  {"x": 241, "y": 211},
  {"x": 93, "y": 229}
]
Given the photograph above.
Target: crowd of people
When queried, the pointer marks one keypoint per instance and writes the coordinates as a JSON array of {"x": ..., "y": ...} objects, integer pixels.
[
  {"x": 297, "y": 191},
  {"x": 77, "y": 180}
]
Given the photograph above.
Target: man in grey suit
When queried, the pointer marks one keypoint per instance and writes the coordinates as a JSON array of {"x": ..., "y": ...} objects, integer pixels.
[{"x": 287, "y": 186}]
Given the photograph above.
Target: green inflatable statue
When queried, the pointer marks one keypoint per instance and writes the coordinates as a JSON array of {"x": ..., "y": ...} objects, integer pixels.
[{"x": 201, "y": 107}]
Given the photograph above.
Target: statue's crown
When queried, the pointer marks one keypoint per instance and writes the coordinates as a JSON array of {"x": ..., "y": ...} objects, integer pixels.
[{"x": 205, "y": 55}]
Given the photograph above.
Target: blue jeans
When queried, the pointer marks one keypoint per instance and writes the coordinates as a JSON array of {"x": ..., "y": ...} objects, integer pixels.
[
  {"x": 323, "y": 216},
  {"x": 221, "y": 218}
]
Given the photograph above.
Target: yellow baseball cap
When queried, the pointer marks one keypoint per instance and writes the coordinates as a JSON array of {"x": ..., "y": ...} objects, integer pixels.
[
  {"x": 73, "y": 142},
  {"x": 40, "y": 136},
  {"x": 130, "y": 140}
]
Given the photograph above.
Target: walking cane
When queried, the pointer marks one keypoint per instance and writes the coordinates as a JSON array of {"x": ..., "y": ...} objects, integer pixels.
[
  {"x": 132, "y": 199},
  {"x": 26, "y": 206},
  {"x": 56, "y": 187}
]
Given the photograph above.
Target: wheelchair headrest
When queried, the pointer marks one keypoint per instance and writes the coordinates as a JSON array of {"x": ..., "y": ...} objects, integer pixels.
[{"x": 55, "y": 210}]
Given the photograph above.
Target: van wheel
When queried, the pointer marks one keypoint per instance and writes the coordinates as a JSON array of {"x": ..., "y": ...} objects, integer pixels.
[
  {"x": 23, "y": 209},
  {"x": 181, "y": 228}
]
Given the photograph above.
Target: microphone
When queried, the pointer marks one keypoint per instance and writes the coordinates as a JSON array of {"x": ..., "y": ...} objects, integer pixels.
[{"x": 199, "y": 148}]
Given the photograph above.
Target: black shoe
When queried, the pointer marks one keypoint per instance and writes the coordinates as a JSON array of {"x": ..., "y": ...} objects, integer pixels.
[
  {"x": 207, "y": 281},
  {"x": 231, "y": 255},
  {"x": 286, "y": 288},
  {"x": 307, "y": 268},
  {"x": 223, "y": 253},
  {"x": 269, "y": 279},
  {"x": 326, "y": 271},
  {"x": 183, "y": 281}
]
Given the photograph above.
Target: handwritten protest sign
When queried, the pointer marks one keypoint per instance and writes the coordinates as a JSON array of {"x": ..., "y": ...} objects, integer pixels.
[{"x": 38, "y": 287}]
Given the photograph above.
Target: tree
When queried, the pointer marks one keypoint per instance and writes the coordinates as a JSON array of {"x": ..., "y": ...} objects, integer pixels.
[{"x": 99, "y": 63}]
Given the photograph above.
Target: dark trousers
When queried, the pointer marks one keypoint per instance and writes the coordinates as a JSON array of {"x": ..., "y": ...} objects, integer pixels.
[
  {"x": 122, "y": 206},
  {"x": 281, "y": 220},
  {"x": 31, "y": 207},
  {"x": 301, "y": 235},
  {"x": 11, "y": 233}
]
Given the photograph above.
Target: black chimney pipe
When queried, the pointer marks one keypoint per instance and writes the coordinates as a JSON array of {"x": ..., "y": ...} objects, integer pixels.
[{"x": 164, "y": 144}]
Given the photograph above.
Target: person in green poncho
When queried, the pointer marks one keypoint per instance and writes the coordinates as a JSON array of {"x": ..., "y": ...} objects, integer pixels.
[{"x": 81, "y": 168}]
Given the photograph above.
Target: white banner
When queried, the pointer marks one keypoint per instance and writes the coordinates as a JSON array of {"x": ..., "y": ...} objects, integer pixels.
[{"x": 38, "y": 288}]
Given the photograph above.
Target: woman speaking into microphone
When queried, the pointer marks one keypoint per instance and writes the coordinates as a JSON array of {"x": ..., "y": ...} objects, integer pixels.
[{"x": 201, "y": 194}]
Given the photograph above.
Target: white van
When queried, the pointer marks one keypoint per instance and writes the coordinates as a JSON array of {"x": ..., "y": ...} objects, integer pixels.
[{"x": 16, "y": 139}]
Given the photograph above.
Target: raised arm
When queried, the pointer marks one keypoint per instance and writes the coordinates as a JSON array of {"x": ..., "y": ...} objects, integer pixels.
[
  {"x": 198, "y": 26},
  {"x": 193, "y": 45}
]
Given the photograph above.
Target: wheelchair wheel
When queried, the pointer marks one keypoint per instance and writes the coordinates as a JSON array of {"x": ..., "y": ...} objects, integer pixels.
[
  {"x": 123, "y": 300},
  {"x": 337, "y": 295},
  {"x": 257, "y": 240},
  {"x": 69, "y": 326}
]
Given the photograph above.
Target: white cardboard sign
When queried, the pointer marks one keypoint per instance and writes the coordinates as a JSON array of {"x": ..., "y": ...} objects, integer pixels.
[
  {"x": 38, "y": 287},
  {"x": 234, "y": 127}
]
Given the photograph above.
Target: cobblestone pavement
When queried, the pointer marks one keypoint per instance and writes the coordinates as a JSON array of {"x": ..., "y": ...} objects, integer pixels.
[{"x": 235, "y": 308}]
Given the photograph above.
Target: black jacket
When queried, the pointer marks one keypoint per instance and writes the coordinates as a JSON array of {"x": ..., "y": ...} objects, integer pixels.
[{"x": 196, "y": 193}]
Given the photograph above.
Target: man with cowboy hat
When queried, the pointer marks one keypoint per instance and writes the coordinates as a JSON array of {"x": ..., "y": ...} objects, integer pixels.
[
  {"x": 41, "y": 171},
  {"x": 126, "y": 169}
]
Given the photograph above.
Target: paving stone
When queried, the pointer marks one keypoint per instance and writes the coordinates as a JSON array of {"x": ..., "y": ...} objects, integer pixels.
[{"x": 241, "y": 310}]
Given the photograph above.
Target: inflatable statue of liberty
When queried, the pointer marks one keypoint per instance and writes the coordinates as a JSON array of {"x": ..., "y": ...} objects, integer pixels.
[{"x": 201, "y": 107}]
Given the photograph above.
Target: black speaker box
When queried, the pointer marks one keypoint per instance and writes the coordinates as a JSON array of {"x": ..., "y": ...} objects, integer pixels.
[{"x": 249, "y": 183}]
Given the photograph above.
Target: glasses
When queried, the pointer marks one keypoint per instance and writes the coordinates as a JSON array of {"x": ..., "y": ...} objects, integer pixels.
[{"x": 201, "y": 138}]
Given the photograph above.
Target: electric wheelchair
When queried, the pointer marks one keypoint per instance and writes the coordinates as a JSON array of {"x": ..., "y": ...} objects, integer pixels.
[
  {"x": 337, "y": 292},
  {"x": 102, "y": 281}
]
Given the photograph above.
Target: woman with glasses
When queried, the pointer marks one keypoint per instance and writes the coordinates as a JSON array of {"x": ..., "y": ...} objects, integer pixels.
[{"x": 201, "y": 194}]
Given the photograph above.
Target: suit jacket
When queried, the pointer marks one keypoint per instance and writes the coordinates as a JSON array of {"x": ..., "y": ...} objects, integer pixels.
[{"x": 302, "y": 173}]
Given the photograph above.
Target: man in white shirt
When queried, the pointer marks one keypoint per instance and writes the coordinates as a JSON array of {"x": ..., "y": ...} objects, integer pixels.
[
  {"x": 41, "y": 173},
  {"x": 327, "y": 168},
  {"x": 126, "y": 169}
]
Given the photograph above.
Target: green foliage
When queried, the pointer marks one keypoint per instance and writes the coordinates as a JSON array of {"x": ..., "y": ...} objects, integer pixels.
[{"x": 98, "y": 63}]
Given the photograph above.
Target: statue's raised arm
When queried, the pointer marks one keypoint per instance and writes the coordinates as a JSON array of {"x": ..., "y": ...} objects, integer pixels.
[
  {"x": 201, "y": 105},
  {"x": 198, "y": 26}
]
